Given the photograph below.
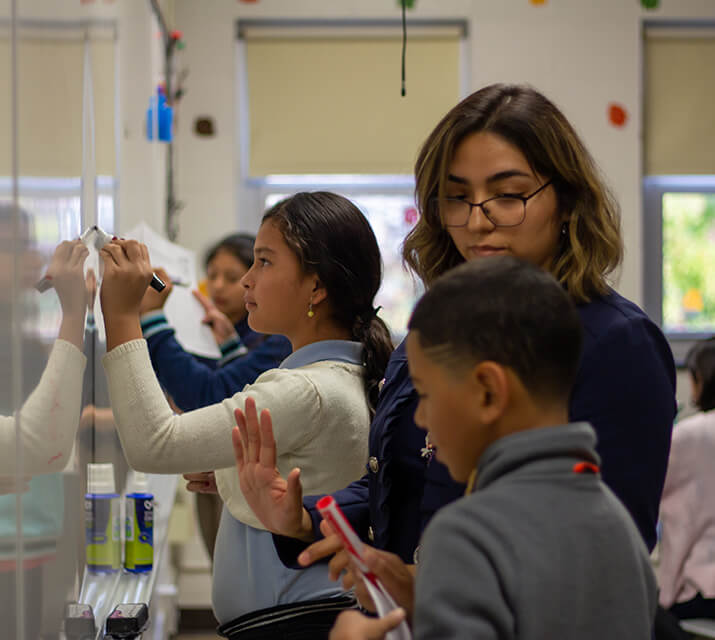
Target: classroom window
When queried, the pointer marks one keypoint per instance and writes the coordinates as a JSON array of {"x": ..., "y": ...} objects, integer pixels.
[
  {"x": 307, "y": 123},
  {"x": 679, "y": 182},
  {"x": 681, "y": 253}
]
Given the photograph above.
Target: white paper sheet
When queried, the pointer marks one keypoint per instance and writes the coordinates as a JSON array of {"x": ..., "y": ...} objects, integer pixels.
[
  {"x": 182, "y": 310},
  {"x": 384, "y": 604}
]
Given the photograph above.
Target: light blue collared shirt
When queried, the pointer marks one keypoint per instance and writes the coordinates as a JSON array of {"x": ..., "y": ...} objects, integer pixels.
[{"x": 248, "y": 575}]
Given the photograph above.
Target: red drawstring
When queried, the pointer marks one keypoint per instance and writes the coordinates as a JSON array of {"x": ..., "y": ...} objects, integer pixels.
[{"x": 583, "y": 467}]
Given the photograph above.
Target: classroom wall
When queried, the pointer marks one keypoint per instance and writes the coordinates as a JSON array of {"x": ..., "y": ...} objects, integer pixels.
[{"x": 582, "y": 54}]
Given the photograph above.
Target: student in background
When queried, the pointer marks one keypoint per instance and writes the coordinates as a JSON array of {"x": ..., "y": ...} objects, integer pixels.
[
  {"x": 316, "y": 271},
  {"x": 686, "y": 570},
  {"x": 194, "y": 382},
  {"x": 504, "y": 172},
  {"x": 539, "y": 547}
]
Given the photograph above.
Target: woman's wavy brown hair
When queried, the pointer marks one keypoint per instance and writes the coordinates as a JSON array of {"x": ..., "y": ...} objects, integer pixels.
[{"x": 592, "y": 247}]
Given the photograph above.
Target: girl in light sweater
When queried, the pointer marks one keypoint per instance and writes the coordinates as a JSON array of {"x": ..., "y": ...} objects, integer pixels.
[
  {"x": 686, "y": 573},
  {"x": 317, "y": 269}
]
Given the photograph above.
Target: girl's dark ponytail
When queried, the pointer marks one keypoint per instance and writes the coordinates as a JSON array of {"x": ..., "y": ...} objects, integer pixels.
[{"x": 377, "y": 347}]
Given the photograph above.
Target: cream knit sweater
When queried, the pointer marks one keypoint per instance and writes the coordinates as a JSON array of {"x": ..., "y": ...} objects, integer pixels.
[
  {"x": 49, "y": 417},
  {"x": 320, "y": 420}
]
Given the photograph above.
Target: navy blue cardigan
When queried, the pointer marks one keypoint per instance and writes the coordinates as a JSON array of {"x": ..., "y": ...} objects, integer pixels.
[
  {"x": 194, "y": 382},
  {"x": 625, "y": 388}
]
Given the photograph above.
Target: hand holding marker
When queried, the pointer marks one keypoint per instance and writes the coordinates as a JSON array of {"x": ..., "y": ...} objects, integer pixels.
[
  {"x": 94, "y": 236},
  {"x": 384, "y": 602}
]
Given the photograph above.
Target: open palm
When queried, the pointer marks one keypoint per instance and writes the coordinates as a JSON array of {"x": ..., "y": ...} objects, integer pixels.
[{"x": 276, "y": 501}]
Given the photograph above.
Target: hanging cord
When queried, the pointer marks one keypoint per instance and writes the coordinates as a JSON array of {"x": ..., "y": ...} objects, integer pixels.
[{"x": 404, "y": 43}]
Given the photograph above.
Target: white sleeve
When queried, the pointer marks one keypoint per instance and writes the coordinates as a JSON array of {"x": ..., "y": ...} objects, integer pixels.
[
  {"x": 49, "y": 418},
  {"x": 155, "y": 440}
]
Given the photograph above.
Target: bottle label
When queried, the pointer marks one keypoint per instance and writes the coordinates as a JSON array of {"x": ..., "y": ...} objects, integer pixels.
[
  {"x": 102, "y": 533},
  {"x": 139, "y": 534}
]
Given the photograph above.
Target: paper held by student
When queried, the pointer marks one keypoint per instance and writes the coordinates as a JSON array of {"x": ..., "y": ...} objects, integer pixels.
[{"x": 182, "y": 310}]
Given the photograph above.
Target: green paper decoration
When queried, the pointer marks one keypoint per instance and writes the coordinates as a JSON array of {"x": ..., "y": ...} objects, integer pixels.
[{"x": 650, "y": 4}]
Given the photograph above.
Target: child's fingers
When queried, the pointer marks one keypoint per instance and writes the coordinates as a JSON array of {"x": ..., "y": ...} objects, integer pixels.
[
  {"x": 327, "y": 529},
  {"x": 243, "y": 436},
  {"x": 389, "y": 622},
  {"x": 237, "y": 447},
  {"x": 78, "y": 255},
  {"x": 133, "y": 249},
  {"x": 145, "y": 253},
  {"x": 203, "y": 300},
  {"x": 113, "y": 254},
  {"x": 320, "y": 549},
  {"x": 338, "y": 563},
  {"x": 267, "y": 454},
  {"x": 252, "y": 430},
  {"x": 294, "y": 488}
]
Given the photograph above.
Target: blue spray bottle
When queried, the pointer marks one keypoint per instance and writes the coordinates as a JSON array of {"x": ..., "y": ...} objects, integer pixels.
[
  {"x": 101, "y": 518},
  {"x": 161, "y": 113},
  {"x": 139, "y": 531}
]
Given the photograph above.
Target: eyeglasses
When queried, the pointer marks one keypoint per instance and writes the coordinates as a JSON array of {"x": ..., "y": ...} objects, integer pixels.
[{"x": 502, "y": 211}]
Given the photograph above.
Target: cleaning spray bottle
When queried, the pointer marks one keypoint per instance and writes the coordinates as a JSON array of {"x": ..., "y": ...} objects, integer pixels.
[
  {"x": 139, "y": 532},
  {"x": 101, "y": 517}
]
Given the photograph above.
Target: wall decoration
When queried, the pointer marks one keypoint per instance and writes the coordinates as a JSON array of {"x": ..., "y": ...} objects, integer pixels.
[
  {"x": 410, "y": 215},
  {"x": 537, "y": 2},
  {"x": 617, "y": 114},
  {"x": 650, "y": 4},
  {"x": 204, "y": 126}
]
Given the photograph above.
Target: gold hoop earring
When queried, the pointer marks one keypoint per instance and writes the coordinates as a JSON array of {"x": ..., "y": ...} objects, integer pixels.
[{"x": 311, "y": 313}]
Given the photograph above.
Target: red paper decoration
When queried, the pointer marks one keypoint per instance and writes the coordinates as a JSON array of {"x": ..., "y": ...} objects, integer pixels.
[
  {"x": 410, "y": 215},
  {"x": 617, "y": 114}
]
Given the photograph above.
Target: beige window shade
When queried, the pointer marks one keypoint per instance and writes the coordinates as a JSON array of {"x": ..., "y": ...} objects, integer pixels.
[
  {"x": 679, "y": 109},
  {"x": 50, "y": 94},
  {"x": 321, "y": 104}
]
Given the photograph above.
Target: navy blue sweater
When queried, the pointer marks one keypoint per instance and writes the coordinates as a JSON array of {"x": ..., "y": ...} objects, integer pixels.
[
  {"x": 625, "y": 388},
  {"x": 194, "y": 382}
]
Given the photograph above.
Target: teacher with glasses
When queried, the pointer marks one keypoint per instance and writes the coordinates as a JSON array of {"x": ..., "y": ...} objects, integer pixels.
[{"x": 504, "y": 172}]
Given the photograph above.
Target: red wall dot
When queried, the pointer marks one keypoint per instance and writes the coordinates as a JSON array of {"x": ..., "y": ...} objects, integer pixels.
[
  {"x": 410, "y": 215},
  {"x": 617, "y": 114}
]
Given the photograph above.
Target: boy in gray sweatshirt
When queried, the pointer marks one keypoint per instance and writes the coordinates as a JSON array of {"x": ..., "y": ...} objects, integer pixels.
[{"x": 539, "y": 548}]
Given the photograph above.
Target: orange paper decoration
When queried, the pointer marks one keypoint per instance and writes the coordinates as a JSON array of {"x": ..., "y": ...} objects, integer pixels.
[{"x": 617, "y": 114}]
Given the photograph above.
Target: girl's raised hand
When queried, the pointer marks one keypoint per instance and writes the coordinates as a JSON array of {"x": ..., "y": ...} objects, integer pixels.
[
  {"x": 276, "y": 501},
  {"x": 127, "y": 274},
  {"x": 66, "y": 270},
  {"x": 221, "y": 327}
]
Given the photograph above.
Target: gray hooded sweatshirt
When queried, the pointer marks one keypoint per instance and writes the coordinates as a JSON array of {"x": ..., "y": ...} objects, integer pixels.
[{"x": 541, "y": 549}]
